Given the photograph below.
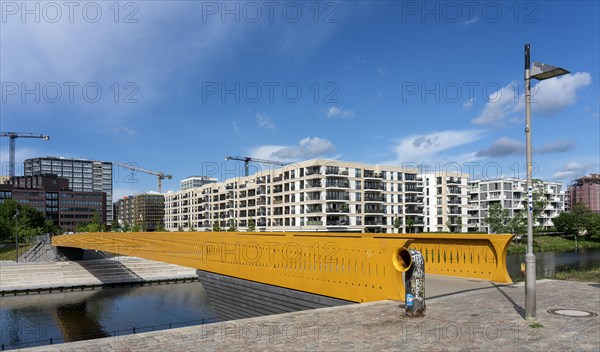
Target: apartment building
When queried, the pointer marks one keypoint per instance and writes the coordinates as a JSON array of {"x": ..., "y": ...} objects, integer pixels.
[
  {"x": 83, "y": 175},
  {"x": 52, "y": 196},
  {"x": 511, "y": 193},
  {"x": 312, "y": 195},
  {"x": 144, "y": 210},
  {"x": 586, "y": 190},
  {"x": 446, "y": 201},
  {"x": 195, "y": 181}
]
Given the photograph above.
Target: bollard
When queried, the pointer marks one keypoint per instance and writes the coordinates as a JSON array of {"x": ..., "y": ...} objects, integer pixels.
[{"x": 410, "y": 261}]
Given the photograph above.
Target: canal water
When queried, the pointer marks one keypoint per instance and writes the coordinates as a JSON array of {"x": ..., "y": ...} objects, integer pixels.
[
  {"x": 549, "y": 263},
  {"x": 44, "y": 319}
]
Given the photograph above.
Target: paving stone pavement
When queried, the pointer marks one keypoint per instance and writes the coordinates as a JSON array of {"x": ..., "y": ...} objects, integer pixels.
[{"x": 488, "y": 319}]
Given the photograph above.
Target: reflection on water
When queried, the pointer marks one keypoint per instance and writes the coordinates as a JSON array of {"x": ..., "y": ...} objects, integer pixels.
[
  {"x": 548, "y": 263},
  {"x": 43, "y": 319}
]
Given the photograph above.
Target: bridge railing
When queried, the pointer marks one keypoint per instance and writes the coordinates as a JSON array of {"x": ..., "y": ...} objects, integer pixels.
[
  {"x": 479, "y": 256},
  {"x": 355, "y": 267}
]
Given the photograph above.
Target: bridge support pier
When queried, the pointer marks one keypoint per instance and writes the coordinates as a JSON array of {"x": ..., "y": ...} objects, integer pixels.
[{"x": 234, "y": 298}]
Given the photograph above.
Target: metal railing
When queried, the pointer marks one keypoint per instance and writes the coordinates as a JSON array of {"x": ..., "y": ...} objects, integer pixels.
[{"x": 129, "y": 330}]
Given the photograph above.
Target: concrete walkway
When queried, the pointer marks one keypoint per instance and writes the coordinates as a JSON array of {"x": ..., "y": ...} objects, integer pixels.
[
  {"x": 482, "y": 319},
  {"x": 19, "y": 277}
]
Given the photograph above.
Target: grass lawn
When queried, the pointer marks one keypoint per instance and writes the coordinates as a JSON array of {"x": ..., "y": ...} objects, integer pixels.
[
  {"x": 550, "y": 243},
  {"x": 592, "y": 275},
  {"x": 8, "y": 251}
]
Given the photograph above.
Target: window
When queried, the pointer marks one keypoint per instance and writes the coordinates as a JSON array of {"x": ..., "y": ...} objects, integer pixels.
[{"x": 440, "y": 221}]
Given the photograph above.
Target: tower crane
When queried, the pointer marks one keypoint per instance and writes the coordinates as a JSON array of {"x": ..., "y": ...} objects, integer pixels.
[
  {"x": 161, "y": 176},
  {"x": 13, "y": 136},
  {"x": 247, "y": 160}
]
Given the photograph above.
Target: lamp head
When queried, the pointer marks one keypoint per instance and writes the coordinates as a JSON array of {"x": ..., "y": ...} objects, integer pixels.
[{"x": 541, "y": 71}]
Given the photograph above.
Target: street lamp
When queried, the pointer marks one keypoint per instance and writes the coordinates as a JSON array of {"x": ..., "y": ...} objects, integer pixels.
[
  {"x": 16, "y": 235},
  {"x": 540, "y": 72}
]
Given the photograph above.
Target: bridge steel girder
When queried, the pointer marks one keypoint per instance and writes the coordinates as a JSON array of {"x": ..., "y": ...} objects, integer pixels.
[{"x": 353, "y": 267}]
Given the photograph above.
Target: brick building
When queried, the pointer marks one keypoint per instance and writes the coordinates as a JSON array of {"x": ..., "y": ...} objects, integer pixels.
[{"x": 51, "y": 195}]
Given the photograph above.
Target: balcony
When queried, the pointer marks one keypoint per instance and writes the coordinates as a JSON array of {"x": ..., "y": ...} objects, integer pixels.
[
  {"x": 453, "y": 180},
  {"x": 337, "y": 210},
  {"x": 314, "y": 223},
  {"x": 372, "y": 174},
  {"x": 340, "y": 222},
  {"x": 454, "y": 190},
  {"x": 338, "y": 197},
  {"x": 312, "y": 210},
  {"x": 374, "y": 210},
  {"x": 374, "y": 186},
  {"x": 372, "y": 198},
  {"x": 334, "y": 184}
]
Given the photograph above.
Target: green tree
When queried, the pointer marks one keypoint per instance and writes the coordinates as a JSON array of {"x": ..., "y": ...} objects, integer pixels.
[
  {"x": 497, "y": 219},
  {"x": 538, "y": 201},
  {"x": 179, "y": 228},
  {"x": 232, "y": 227},
  {"x": 159, "y": 227},
  {"x": 216, "y": 227},
  {"x": 398, "y": 223},
  {"x": 126, "y": 227},
  {"x": 30, "y": 222},
  {"x": 114, "y": 226},
  {"x": 410, "y": 224},
  {"x": 518, "y": 224},
  {"x": 579, "y": 221},
  {"x": 190, "y": 226},
  {"x": 135, "y": 228},
  {"x": 251, "y": 225}
]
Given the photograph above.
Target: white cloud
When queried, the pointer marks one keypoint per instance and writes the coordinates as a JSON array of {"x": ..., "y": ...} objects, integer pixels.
[
  {"x": 547, "y": 98},
  {"x": 498, "y": 107},
  {"x": 334, "y": 111},
  {"x": 307, "y": 148},
  {"x": 503, "y": 146},
  {"x": 382, "y": 70},
  {"x": 265, "y": 121},
  {"x": 571, "y": 171},
  {"x": 425, "y": 147},
  {"x": 124, "y": 129},
  {"x": 469, "y": 103},
  {"x": 506, "y": 146}
]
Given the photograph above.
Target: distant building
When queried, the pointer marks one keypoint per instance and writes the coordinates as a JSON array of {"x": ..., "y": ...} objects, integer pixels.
[
  {"x": 145, "y": 210},
  {"x": 511, "y": 193},
  {"x": 586, "y": 190},
  {"x": 53, "y": 196},
  {"x": 83, "y": 175},
  {"x": 446, "y": 202},
  {"x": 311, "y": 195},
  {"x": 196, "y": 181}
]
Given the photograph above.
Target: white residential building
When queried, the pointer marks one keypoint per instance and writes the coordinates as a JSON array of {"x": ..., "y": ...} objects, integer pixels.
[
  {"x": 312, "y": 195},
  {"x": 446, "y": 202},
  {"x": 511, "y": 193},
  {"x": 195, "y": 181}
]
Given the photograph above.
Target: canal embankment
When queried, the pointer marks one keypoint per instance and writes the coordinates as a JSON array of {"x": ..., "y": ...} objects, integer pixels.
[
  {"x": 489, "y": 319},
  {"x": 30, "y": 278}
]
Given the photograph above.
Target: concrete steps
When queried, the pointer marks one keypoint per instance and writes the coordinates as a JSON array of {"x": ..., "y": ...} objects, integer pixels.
[{"x": 17, "y": 277}]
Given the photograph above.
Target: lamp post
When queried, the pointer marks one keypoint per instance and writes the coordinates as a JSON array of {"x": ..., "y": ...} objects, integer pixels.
[
  {"x": 16, "y": 217},
  {"x": 540, "y": 72}
]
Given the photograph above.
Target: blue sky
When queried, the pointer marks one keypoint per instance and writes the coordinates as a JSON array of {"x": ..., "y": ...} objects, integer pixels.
[{"x": 176, "y": 86}]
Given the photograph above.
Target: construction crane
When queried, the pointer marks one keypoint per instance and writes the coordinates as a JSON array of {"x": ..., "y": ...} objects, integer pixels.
[
  {"x": 247, "y": 160},
  {"x": 13, "y": 136},
  {"x": 161, "y": 176}
]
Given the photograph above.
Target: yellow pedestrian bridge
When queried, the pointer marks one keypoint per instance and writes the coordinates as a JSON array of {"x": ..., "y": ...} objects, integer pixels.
[{"x": 346, "y": 266}]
